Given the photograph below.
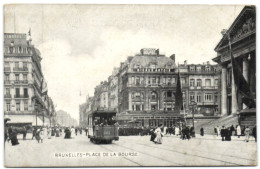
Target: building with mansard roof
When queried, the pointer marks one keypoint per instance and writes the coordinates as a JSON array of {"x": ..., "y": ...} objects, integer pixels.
[{"x": 23, "y": 100}]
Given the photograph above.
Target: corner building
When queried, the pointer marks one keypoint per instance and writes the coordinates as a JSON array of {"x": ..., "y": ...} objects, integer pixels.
[{"x": 147, "y": 85}]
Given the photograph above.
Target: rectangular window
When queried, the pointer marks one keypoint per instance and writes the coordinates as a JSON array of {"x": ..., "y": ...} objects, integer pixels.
[
  {"x": 17, "y": 92},
  {"x": 199, "y": 82},
  {"x": 169, "y": 79},
  {"x": 26, "y": 106},
  {"x": 216, "y": 82},
  {"x": 207, "y": 68},
  {"x": 16, "y": 64},
  {"x": 208, "y": 97},
  {"x": 8, "y": 107},
  {"x": 25, "y": 92},
  {"x": 192, "y": 69},
  {"x": 207, "y": 82},
  {"x": 7, "y": 77},
  {"x": 7, "y": 91},
  {"x": 153, "y": 80},
  {"x": 192, "y": 82},
  {"x": 192, "y": 97},
  {"x": 198, "y": 98},
  {"x": 137, "y": 80},
  {"x": 138, "y": 107},
  {"x": 24, "y": 64},
  {"x": 18, "y": 107},
  {"x": 198, "y": 69},
  {"x": 17, "y": 77},
  {"x": 24, "y": 76},
  {"x": 173, "y": 80}
]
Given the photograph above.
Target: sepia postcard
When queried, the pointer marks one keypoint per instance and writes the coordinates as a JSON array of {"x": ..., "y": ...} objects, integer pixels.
[{"x": 89, "y": 85}]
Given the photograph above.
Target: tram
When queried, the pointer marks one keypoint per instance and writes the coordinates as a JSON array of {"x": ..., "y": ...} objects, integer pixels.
[{"x": 102, "y": 126}]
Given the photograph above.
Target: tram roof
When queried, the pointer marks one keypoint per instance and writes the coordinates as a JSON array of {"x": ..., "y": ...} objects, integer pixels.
[{"x": 108, "y": 112}]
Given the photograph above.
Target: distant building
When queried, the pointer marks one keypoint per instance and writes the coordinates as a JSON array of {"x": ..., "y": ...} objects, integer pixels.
[
  {"x": 113, "y": 90},
  {"x": 84, "y": 111},
  {"x": 64, "y": 119},
  {"x": 24, "y": 103}
]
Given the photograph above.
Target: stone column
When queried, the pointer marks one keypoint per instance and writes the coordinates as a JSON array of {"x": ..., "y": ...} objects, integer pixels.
[
  {"x": 224, "y": 90},
  {"x": 245, "y": 72},
  {"x": 234, "y": 96},
  {"x": 130, "y": 101}
]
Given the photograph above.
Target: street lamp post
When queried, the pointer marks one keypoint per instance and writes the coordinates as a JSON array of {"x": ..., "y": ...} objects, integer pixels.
[{"x": 193, "y": 104}]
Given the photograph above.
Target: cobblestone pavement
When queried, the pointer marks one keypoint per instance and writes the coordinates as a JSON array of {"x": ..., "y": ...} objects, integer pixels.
[{"x": 132, "y": 151}]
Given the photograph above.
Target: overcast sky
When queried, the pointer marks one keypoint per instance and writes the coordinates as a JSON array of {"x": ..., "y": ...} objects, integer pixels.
[{"x": 81, "y": 44}]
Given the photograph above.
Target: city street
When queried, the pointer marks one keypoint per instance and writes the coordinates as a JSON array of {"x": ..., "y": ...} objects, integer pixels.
[{"x": 131, "y": 151}]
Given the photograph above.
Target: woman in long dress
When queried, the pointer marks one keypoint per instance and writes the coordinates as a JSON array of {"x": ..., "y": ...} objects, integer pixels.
[
  {"x": 158, "y": 138},
  {"x": 49, "y": 132},
  {"x": 238, "y": 131}
]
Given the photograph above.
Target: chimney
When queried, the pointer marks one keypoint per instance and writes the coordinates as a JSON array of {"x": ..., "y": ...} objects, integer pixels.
[
  {"x": 207, "y": 62},
  {"x": 172, "y": 57},
  {"x": 142, "y": 51},
  {"x": 157, "y": 52},
  {"x": 185, "y": 62},
  {"x": 129, "y": 58}
]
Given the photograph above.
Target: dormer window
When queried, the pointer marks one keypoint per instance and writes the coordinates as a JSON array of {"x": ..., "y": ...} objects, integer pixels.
[
  {"x": 192, "y": 68},
  {"x": 207, "y": 68},
  {"x": 153, "y": 66},
  {"x": 137, "y": 66},
  {"x": 198, "y": 69}
]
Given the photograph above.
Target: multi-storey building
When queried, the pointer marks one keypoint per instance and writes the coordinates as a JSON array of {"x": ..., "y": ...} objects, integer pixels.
[
  {"x": 242, "y": 35},
  {"x": 100, "y": 99},
  {"x": 113, "y": 90},
  {"x": 84, "y": 111},
  {"x": 147, "y": 86},
  {"x": 203, "y": 87},
  {"x": 23, "y": 77}
]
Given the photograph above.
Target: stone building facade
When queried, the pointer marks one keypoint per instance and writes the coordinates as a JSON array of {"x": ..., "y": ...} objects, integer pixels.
[
  {"x": 23, "y": 77},
  {"x": 243, "y": 42}
]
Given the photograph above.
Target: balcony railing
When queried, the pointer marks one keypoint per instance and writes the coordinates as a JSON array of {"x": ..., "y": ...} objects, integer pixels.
[
  {"x": 21, "y": 96},
  {"x": 20, "y": 69},
  {"x": 20, "y": 81},
  {"x": 7, "y": 96},
  {"x": 7, "y": 69},
  {"x": 6, "y": 82}
]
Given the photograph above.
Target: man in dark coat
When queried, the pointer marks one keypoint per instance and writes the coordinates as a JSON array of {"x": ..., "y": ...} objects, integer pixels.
[
  {"x": 202, "y": 131},
  {"x": 223, "y": 133},
  {"x": 14, "y": 139},
  {"x": 228, "y": 134},
  {"x": 67, "y": 133},
  {"x": 153, "y": 135}
]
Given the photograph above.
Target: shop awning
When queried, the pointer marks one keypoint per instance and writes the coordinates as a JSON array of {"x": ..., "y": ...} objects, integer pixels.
[{"x": 31, "y": 119}]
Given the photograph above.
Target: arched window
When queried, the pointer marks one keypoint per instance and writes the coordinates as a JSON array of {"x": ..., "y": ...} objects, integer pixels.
[{"x": 154, "y": 95}]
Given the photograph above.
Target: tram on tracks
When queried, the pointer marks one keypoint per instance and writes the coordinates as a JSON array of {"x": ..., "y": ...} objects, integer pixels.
[{"x": 102, "y": 127}]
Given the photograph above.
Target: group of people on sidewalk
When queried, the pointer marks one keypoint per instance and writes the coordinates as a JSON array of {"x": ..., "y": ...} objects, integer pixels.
[
  {"x": 227, "y": 132},
  {"x": 39, "y": 133}
]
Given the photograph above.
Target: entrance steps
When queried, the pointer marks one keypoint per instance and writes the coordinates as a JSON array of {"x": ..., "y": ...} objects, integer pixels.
[{"x": 226, "y": 121}]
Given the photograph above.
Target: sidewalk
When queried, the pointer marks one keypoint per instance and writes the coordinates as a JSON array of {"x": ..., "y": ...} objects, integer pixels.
[{"x": 214, "y": 137}]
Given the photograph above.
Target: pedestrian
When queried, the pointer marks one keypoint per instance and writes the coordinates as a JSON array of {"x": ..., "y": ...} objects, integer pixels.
[
  {"x": 202, "y": 131},
  {"x": 218, "y": 131},
  {"x": 177, "y": 131},
  {"x": 39, "y": 135},
  {"x": 228, "y": 134},
  {"x": 223, "y": 133},
  {"x": 153, "y": 135},
  {"x": 34, "y": 132},
  {"x": 6, "y": 133},
  {"x": 24, "y": 132},
  {"x": 247, "y": 131},
  {"x": 76, "y": 131},
  {"x": 57, "y": 132},
  {"x": 254, "y": 133},
  {"x": 49, "y": 132},
  {"x": 13, "y": 138},
  {"x": 238, "y": 131},
  {"x": 158, "y": 132},
  {"x": 72, "y": 130},
  {"x": 192, "y": 132},
  {"x": 67, "y": 133},
  {"x": 215, "y": 131},
  {"x": 232, "y": 130}
]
